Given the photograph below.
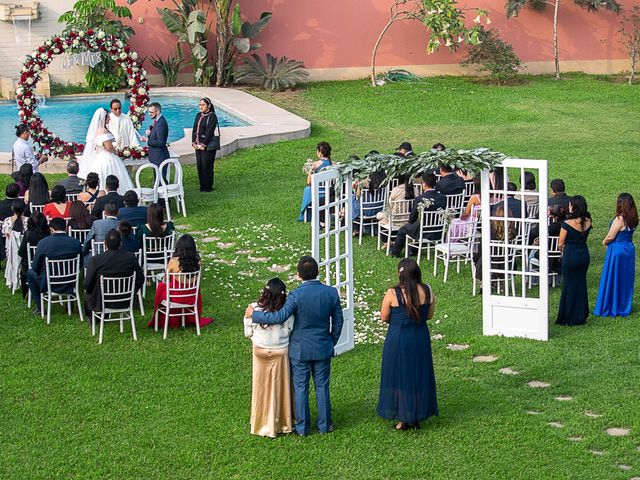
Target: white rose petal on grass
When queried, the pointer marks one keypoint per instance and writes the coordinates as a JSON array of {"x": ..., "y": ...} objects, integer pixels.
[
  {"x": 598, "y": 453},
  {"x": 437, "y": 336},
  {"x": 575, "y": 439}
]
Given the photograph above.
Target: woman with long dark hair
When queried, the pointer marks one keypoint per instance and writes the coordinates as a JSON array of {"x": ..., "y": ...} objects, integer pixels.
[
  {"x": 574, "y": 300},
  {"x": 59, "y": 206},
  {"x": 407, "y": 381},
  {"x": 155, "y": 226},
  {"x": 185, "y": 259},
  {"x": 615, "y": 295},
  {"x": 271, "y": 396},
  {"x": 323, "y": 152},
  {"x": 403, "y": 191},
  {"x": 14, "y": 223},
  {"x": 37, "y": 229},
  {"x": 80, "y": 218},
  {"x": 38, "y": 192},
  {"x": 24, "y": 178},
  {"x": 206, "y": 143},
  {"x": 91, "y": 189}
]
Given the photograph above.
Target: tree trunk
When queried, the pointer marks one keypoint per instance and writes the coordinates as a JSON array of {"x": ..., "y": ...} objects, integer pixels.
[
  {"x": 375, "y": 49},
  {"x": 223, "y": 35},
  {"x": 555, "y": 38}
]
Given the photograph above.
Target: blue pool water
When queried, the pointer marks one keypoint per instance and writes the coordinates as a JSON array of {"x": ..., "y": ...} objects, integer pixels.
[{"x": 70, "y": 118}]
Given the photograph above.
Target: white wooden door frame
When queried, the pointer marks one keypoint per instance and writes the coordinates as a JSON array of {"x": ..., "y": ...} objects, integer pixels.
[{"x": 331, "y": 243}]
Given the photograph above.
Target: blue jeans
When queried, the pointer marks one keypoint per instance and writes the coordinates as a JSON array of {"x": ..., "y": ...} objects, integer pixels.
[{"x": 301, "y": 371}]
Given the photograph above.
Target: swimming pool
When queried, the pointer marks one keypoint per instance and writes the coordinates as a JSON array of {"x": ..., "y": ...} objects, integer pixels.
[{"x": 69, "y": 117}]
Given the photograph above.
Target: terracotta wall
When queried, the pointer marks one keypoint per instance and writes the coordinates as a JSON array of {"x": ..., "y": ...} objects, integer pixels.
[{"x": 335, "y": 38}]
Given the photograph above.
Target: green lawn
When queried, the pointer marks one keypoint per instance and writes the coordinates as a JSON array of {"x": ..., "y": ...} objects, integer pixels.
[{"x": 180, "y": 408}]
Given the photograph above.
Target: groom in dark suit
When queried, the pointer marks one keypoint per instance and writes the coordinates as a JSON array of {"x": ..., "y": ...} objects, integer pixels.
[
  {"x": 158, "y": 135},
  {"x": 316, "y": 330}
]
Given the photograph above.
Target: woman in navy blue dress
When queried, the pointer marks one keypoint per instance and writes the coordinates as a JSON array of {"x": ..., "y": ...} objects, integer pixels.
[
  {"x": 615, "y": 295},
  {"x": 574, "y": 302},
  {"x": 407, "y": 382}
]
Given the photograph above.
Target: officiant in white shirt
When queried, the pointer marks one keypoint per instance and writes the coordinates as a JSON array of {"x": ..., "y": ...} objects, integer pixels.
[
  {"x": 23, "y": 152},
  {"x": 121, "y": 127}
]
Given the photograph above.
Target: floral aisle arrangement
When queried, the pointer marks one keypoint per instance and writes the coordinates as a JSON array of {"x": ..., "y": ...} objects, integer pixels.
[{"x": 75, "y": 41}]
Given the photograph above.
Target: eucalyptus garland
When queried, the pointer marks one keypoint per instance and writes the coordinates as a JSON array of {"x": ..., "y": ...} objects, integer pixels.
[{"x": 472, "y": 161}]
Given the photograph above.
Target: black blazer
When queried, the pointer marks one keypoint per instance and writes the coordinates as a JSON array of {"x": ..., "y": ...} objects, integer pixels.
[
  {"x": 57, "y": 246},
  {"x": 5, "y": 208},
  {"x": 207, "y": 128},
  {"x": 439, "y": 201},
  {"x": 31, "y": 237},
  {"x": 157, "y": 142},
  {"x": 110, "y": 197},
  {"x": 451, "y": 184},
  {"x": 134, "y": 215},
  {"x": 112, "y": 263}
]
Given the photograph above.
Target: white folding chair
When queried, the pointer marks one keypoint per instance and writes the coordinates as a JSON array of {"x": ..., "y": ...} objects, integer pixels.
[
  {"x": 35, "y": 208},
  {"x": 554, "y": 253},
  {"x": 147, "y": 194},
  {"x": 62, "y": 275},
  {"x": 116, "y": 299},
  {"x": 370, "y": 200},
  {"x": 431, "y": 225},
  {"x": 89, "y": 205},
  {"x": 469, "y": 189},
  {"x": 458, "y": 245},
  {"x": 156, "y": 252},
  {"x": 140, "y": 260},
  {"x": 96, "y": 248},
  {"x": 174, "y": 188},
  {"x": 31, "y": 252},
  {"x": 399, "y": 211},
  {"x": 79, "y": 234},
  {"x": 502, "y": 259},
  {"x": 12, "y": 268},
  {"x": 532, "y": 210},
  {"x": 183, "y": 290},
  {"x": 456, "y": 203},
  {"x": 72, "y": 197}
]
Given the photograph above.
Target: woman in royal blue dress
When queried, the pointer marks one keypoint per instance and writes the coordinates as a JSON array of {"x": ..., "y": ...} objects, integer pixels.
[
  {"x": 615, "y": 295},
  {"x": 574, "y": 231},
  {"x": 407, "y": 382},
  {"x": 323, "y": 152}
]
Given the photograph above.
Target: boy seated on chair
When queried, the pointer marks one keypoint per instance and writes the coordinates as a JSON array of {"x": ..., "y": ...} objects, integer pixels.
[
  {"x": 114, "y": 262},
  {"x": 57, "y": 246}
]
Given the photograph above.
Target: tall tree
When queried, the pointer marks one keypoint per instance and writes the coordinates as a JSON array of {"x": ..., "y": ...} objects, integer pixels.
[{"x": 515, "y": 6}]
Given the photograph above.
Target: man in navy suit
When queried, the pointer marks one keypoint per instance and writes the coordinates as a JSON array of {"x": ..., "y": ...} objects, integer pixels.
[
  {"x": 57, "y": 246},
  {"x": 133, "y": 213},
  {"x": 449, "y": 183},
  {"x": 316, "y": 330},
  {"x": 158, "y": 135}
]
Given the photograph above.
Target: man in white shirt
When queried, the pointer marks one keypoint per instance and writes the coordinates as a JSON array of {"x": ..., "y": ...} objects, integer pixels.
[
  {"x": 22, "y": 151},
  {"x": 121, "y": 126}
]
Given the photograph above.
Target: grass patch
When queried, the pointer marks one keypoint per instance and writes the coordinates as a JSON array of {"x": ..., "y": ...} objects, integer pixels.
[{"x": 180, "y": 408}]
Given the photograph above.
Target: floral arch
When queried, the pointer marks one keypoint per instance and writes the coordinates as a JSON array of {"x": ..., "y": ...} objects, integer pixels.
[{"x": 74, "y": 41}]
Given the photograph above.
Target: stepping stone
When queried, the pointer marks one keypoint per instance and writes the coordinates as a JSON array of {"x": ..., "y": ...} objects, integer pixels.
[
  {"x": 591, "y": 414},
  {"x": 598, "y": 453},
  {"x": 564, "y": 398},
  {"x": 575, "y": 439},
  {"x": 456, "y": 347},
  {"x": 197, "y": 232},
  {"x": 225, "y": 245},
  {"x": 484, "y": 358},
  {"x": 243, "y": 252},
  {"x": 437, "y": 336},
  {"x": 538, "y": 384},
  {"x": 624, "y": 467},
  {"x": 555, "y": 424},
  {"x": 638, "y": 448},
  {"x": 508, "y": 371},
  {"x": 210, "y": 239},
  {"x": 258, "y": 259},
  {"x": 278, "y": 268},
  {"x": 618, "y": 432},
  {"x": 183, "y": 227},
  {"x": 533, "y": 412}
]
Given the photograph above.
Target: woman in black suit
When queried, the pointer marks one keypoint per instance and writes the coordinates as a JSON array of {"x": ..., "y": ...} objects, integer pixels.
[{"x": 206, "y": 144}]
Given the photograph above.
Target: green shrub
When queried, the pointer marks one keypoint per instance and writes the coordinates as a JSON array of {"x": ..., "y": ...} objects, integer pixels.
[
  {"x": 276, "y": 74},
  {"x": 169, "y": 67},
  {"x": 493, "y": 55}
]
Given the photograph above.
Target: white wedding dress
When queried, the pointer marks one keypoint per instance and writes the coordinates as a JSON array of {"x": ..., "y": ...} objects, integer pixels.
[{"x": 96, "y": 158}]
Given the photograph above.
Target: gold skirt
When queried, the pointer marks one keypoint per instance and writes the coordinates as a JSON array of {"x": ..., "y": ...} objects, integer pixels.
[{"x": 271, "y": 401}]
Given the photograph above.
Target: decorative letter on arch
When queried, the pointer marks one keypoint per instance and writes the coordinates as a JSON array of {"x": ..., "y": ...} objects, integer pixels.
[{"x": 70, "y": 42}]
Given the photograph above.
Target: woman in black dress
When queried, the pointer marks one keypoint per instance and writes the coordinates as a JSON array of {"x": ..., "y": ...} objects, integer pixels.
[
  {"x": 574, "y": 303},
  {"x": 37, "y": 229},
  {"x": 204, "y": 141},
  {"x": 407, "y": 381}
]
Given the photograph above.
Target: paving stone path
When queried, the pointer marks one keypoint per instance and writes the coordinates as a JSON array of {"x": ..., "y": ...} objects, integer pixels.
[
  {"x": 484, "y": 358},
  {"x": 457, "y": 347},
  {"x": 618, "y": 432},
  {"x": 508, "y": 371},
  {"x": 538, "y": 384}
]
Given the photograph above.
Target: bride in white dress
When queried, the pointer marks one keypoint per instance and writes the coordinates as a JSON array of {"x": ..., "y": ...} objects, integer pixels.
[{"x": 100, "y": 156}]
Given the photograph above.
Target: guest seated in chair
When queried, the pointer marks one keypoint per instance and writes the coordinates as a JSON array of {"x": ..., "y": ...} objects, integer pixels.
[
  {"x": 113, "y": 262},
  {"x": 323, "y": 152},
  {"x": 129, "y": 241},
  {"x": 133, "y": 213},
  {"x": 513, "y": 205},
  {"x": 38, "y": 192},
  {"x": 12, "y": 190},
  {"x": 112, "y": 184},
  {"x": 100, "y": 228},
  {"x": 57, "y": 246},
  {"x": 23, "y": 178},
  {"x": 449, "y": 183},
  {"x": 37, "y": 229},
  {"x": 72, "y": 184},
  {"x": 434, "y": 200},
  {"x": 185, "y": 259},
  {"x": 59, "y": 206},
  {"x": 403, "y": 191},
  {"x": 80, "y": 218},
  {"x": 91, "y": 189},
  {"x": 155, "y": 226}
]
